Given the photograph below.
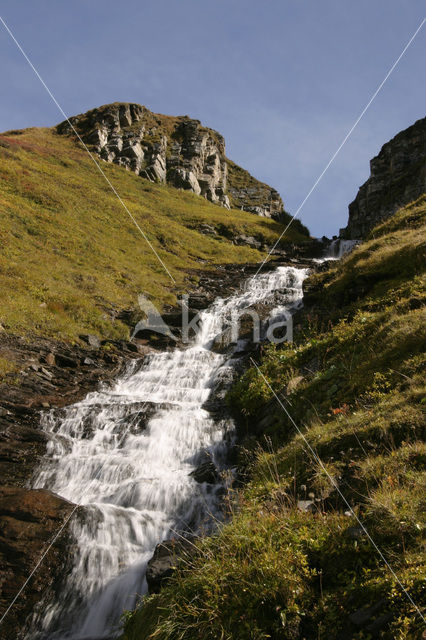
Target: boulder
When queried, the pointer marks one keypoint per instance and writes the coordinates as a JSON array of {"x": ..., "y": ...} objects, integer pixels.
[
  {"x": 92, "y": 340},
  {"x": 205, "y": 472},
  {"x": 163, "y": 563}
]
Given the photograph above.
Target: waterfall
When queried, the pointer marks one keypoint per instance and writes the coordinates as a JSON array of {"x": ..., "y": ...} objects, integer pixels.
[
  {"x": 125, "y": 454},
  {"x": 338, "y": 248}
]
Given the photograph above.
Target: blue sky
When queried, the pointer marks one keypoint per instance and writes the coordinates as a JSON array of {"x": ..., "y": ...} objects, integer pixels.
[{"x": 282, "y": 80}]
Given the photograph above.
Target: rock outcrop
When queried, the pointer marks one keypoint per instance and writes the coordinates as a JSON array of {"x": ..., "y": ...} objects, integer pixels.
[
  {"x": 30, "y": 520},
  {"x": 398, "y": 176},
  {"x": 163, "y": 563},
  {"x": 176, "y": 150}
]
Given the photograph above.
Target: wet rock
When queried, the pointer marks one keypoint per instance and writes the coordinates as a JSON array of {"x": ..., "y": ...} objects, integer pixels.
[
  {"x": 206, "y": 472},
  {"x": 28, "y": 520},
  {"x": 51, "y": 375},
  {"x": 163, "y": 563},
  {"x": 131, "y": 346},
  {"x": 21, "y": 446}
]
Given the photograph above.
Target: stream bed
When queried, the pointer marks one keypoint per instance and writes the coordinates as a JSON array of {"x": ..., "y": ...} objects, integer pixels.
[{"x": 126, "y": 453}]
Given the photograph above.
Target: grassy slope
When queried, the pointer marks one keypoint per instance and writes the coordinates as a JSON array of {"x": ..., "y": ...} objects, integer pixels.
[
  {"x": 70, "y": 255},
  {"x": 274, "y": 571}
]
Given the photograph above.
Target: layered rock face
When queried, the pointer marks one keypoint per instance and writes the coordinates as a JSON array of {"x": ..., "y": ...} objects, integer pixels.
[
  {"x": 176, "y": 150},
  {"x": 398, "y": 176}
]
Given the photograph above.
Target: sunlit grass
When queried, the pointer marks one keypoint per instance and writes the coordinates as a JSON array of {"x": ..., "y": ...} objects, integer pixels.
[
  {"x": 71, "y": 258},
  {"x": 274, "y": 571}
]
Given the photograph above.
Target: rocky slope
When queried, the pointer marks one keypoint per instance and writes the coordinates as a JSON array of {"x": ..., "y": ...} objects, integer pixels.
[
  {"x": 72, "y": 265},
  {"x": 176, "y": 150},
  {"x": 398, "y": 176}
]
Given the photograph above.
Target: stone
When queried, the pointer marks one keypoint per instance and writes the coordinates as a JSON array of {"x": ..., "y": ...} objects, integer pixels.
[
  {"x": 131, "y": 346},
  {"x": 92, "y": 340},
  {"x": 205, "y": 472},
  {"x": 361, "y": 617},
  {"x": 355, "y": 532},
  {"x": 50, "y": 359},
  {"x": 65, "y": 361},
  {"x": 308, "y": 506},
  {"x": 185, "y": 179},
  {"x": 247, "y": 240},
  {"x": 163, "y": 563},
  {"x": 28, "y": 519},
  {"x": 293, "y": 384}
]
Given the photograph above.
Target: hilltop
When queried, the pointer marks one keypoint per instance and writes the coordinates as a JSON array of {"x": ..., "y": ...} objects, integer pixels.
[
  {"x": 177, "y": 150},
  {"x": 72, "y": 260}
]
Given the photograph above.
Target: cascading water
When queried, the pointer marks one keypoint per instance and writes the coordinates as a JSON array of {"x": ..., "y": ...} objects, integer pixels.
[
  {"x": 125, "y": 455},
  {"x": 338, "y": 248}
]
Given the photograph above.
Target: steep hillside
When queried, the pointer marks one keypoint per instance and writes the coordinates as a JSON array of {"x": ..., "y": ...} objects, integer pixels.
[
  {"x": 176, "y": 150},
  {"x": 294, "y": 560},
  {"x": 397, "y": 177},
  {"x": 72, "y": 259}
]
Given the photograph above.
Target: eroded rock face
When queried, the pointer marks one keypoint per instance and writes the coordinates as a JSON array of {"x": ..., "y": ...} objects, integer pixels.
[
  {"x": 174, "y": 150},
  {"x": 398, "y": 176}
]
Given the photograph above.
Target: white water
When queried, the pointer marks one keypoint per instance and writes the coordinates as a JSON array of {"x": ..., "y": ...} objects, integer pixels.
[
  {"x": 133, "y": 476},
  {"x": 338, "y": 248}
]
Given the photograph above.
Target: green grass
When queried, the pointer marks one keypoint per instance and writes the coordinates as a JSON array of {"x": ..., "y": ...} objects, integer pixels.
[
  {"x": 71, "y": 258},
  {"x": 274, "y": 571}
]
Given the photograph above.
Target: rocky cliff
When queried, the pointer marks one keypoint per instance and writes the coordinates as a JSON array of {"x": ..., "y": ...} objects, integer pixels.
[
  {"x": 398, "y": 176},
  {"x": 176, "y": 150}
]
